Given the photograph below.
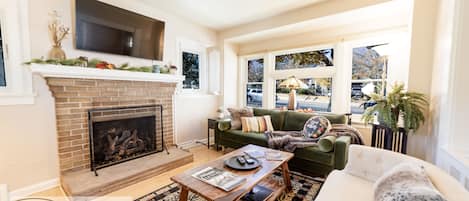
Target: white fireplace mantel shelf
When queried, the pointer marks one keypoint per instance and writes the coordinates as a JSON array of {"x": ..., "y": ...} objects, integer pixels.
[{"x": 48, "y": 70}]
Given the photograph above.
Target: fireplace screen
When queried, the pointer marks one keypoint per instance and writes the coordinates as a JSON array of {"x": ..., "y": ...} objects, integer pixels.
[{"x": 122, "y": 134}]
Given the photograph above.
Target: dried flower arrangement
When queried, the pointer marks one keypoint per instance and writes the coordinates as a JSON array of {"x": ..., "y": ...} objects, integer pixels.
[{"x": 57, "y": 32}]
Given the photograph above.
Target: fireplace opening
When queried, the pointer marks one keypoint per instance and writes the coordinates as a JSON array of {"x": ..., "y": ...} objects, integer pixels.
[{"x": 121, "y": 134}]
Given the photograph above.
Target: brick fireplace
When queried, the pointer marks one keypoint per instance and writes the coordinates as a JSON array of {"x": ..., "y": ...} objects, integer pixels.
[
  {"x": 74, "y": 97},
  {"x": 79, "y": 92}
]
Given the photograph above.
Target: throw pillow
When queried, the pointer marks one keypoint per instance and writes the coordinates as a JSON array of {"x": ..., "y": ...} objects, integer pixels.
[
  {"x": 268, "y": 123},
  {"x": 406, "y": 181},
  {"x": 236, "y": 115},
  {"x": 316, "y": 126},
  {"x": 326, "y": 144},
  {"x": 256, "y": 124}
]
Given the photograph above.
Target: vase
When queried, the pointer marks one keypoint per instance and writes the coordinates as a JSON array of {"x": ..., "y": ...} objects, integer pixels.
[
  {"x": 173, "y": 71},
  {"x": 56, "y": 53}
]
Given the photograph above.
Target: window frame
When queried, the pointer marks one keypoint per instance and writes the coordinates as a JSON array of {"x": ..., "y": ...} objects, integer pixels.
[
  {"x": 347, "y": 67},
  {"x": 243, "y": 72},
  {"x": 301, "y": 73},
  {"x": 271, "y": 74},
  {"x": 15, "y": 19}
]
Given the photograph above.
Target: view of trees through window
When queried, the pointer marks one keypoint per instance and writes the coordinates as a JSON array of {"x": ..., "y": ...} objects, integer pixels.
[
  {"x": 191, "y": 68},
  {"x": 368, "y": 67},
  {"x": 255, "y": 79},
  {"x": 311, "y": 59},
  {"x": 2, "y": 63},
  {"x": 316, "y": 97}
]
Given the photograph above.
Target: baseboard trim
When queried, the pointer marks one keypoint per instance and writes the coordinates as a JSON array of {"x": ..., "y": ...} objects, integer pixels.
[
  {"x": 35, "y": 188},
  {"x": 192, "y": 143}
]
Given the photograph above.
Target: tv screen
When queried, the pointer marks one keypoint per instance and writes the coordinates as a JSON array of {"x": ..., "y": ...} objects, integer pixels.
[{"x": 104, "y": 28}]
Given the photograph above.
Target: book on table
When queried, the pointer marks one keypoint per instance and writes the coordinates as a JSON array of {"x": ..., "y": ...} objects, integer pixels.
[
  {"x": 219, "y": 178},
  {"x": 255, "y": 154}
]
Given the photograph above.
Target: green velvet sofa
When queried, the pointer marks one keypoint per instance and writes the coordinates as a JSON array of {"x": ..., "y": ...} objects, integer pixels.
[{"x": 310, "y": 160}]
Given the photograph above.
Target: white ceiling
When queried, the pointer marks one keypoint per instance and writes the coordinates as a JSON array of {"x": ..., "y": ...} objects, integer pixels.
[
  {"x": 391, "y": 14},
  {"x": 222, "y": 14}
]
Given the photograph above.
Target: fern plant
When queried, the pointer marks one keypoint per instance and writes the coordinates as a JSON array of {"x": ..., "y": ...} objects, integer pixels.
[{"x": 411, "y": 105}]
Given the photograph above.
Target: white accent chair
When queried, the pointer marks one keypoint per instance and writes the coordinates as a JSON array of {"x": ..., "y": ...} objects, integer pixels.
[{"x": 366, "y": 164}]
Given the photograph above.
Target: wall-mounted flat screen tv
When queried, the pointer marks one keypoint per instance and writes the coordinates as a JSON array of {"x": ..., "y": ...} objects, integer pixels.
[{"x": 104, "y": 28}]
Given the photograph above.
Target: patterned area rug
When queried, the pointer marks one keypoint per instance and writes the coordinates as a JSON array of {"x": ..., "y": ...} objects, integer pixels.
[{"x": 304, "y": 188}]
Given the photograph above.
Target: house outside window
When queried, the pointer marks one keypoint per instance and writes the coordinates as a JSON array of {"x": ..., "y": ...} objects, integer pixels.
[
  {"x": 255, "y": 79},
  {"x": 316, "y": 97},
  {"x": 369, "y": 65},
  {"x": 191, "y": 70}
]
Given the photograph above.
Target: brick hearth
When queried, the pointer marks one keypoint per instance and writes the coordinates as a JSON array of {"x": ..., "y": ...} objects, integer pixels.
[{"x": 74, "y": 97}]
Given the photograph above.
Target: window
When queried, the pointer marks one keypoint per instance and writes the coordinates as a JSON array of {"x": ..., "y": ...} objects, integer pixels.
[
  {"x": 316, "y": 97},
  {"x": 191, "y": 69},
  {"x": 254, "y": 94},
  {"x": 369, "y": 66},
  {"x": 309, "y": 59},
  {"x": 2, "y": 63}
]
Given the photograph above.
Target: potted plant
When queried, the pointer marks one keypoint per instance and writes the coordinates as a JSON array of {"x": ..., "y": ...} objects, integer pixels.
[
  {"x": 398, "y": 103},
  {"x": 399, "y": 111}
]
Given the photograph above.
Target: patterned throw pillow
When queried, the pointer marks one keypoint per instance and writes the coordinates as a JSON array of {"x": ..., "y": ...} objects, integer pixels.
[
  {"x": 406, "y": 181},
  {"x": 316, "y": 126},
  {"x": 256, "y": 124},
  {"x": 236, "y": 115}
]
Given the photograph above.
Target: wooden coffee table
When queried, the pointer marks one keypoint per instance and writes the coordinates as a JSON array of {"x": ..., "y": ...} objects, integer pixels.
[{"x": 260, "y": 175}]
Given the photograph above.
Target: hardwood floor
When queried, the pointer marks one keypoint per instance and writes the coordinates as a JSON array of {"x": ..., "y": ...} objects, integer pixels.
[{"x": 201, "y": 155}]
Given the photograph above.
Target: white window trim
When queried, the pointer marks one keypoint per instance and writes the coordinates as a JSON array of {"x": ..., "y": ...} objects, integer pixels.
[
  {"x": 193, "y": 47},
  {"x": 340, "y": 72},
  {"x": 243, "y": 81},
  {"x": 14, "y": 19},
  {"x": 271, "y": 75},
  {"x": 346, "y": 68}
]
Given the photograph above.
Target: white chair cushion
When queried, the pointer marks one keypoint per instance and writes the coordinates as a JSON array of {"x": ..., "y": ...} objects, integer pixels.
[{"x": 340, "y": 186}]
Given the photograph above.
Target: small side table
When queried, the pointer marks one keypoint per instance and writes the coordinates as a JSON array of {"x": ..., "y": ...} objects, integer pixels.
[{"x": 212, "y": 124}]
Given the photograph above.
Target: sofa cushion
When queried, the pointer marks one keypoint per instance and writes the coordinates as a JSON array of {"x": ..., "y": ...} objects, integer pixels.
[
  {"x": 340, "y": 186},
  {"x": 326, "y": 144},
  {"x": 236, "y": 115},
  {"x": 277, "y": 117},
  {"x": 294, "y": 121},
  {"x": 314, "y": 154},
  {"x": 245, "y": 138}
]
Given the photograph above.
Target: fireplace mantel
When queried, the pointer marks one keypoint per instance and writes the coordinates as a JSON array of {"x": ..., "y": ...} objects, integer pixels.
[{"x": 59, "y": 71}]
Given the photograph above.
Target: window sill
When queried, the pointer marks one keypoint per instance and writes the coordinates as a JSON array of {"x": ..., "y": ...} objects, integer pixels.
[{"x": 17, "y": 99}]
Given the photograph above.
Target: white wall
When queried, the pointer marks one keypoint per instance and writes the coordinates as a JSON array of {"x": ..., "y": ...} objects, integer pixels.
[
  {"x": 423, "y": 29},
  {"x": 230, "y": 75},
  {"x": 31, "y": 128},
  {"x": 449, "y": 95}
]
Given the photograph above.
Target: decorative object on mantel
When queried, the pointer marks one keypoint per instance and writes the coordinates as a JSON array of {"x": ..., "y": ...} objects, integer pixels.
[
  {"x": 292, "y": 83},
  {"x": 57, "y": 33},
  {"x": 398, "y": 113},
  {"x": 173, "y": 69},
  {"x": 93, "y": 63}
]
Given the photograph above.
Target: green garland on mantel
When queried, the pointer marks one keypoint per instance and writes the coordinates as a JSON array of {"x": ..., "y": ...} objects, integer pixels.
[{"x": 93, "y": 63}]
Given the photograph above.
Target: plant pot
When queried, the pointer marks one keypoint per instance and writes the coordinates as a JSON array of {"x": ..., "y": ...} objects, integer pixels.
[{"x": 56, "y": 53}]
